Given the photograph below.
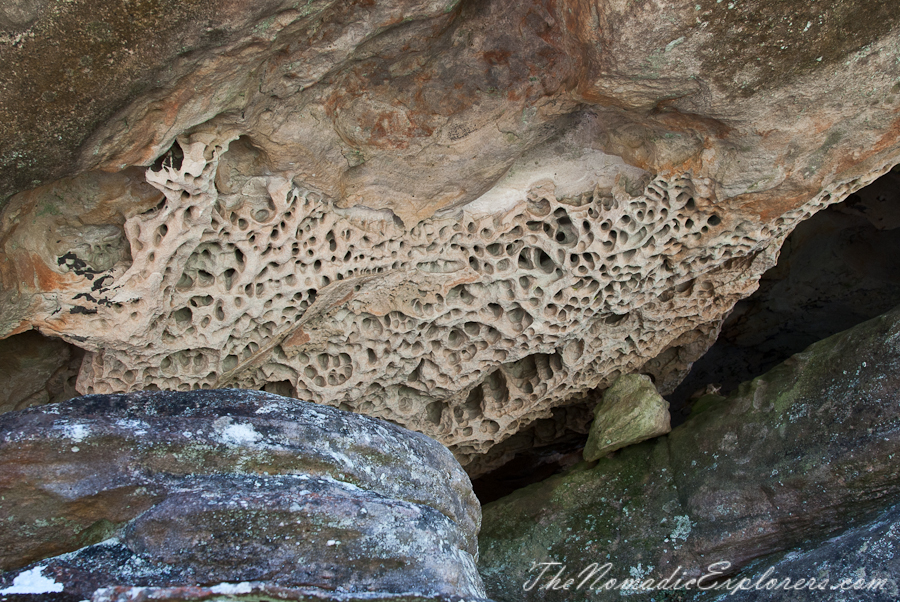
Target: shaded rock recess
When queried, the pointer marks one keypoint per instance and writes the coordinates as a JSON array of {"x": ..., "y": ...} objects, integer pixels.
[{"x": 837, "y": 269}]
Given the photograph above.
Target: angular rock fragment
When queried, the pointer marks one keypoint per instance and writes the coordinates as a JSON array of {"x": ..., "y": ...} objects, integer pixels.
[
  {"x": 632, "y": 411},
  {"x": 791, "y": 458},
  {"x": 174, "y": 490}
]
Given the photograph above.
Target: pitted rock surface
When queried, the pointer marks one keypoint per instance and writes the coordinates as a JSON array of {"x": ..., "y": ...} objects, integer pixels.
[
  {"x": 837, "y": 269},
  {"x": 467, "y": 327},
  {"x": 460, "y": 216},
  {"x": 205, "y": 487}
]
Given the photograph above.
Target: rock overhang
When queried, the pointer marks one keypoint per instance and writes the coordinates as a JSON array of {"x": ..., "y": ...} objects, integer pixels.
[{"x": 314, "y": 233}]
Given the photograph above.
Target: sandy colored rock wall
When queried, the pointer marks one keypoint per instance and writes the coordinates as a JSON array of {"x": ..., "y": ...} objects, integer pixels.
[{"x": 459, "y": 216}]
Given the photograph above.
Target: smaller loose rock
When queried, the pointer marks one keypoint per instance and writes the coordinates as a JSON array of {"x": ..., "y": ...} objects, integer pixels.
[{"x": 631, "y": 411}]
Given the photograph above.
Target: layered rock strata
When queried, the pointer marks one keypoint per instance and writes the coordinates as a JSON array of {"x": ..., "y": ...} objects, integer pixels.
[
  {"x": 459, "y": 216},
  {"x": 172, "y": 491},
  {"x": 859, "y": 565},
  {"x": 791, "y": 458}
]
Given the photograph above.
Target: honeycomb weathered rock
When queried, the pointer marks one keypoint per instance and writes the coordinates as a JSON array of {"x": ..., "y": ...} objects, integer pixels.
[
  {"x": 336, "y": 223},
  {"x": 467, "y": 327}
]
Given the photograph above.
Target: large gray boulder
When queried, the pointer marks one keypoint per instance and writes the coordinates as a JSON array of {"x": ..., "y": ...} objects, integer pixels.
[{"x": 174, "y": 490}]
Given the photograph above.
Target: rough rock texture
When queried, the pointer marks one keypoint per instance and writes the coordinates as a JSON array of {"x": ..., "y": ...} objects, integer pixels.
[
  {"x": 253, "y": 592},
  {"x": 631, "y": 411},
  {"x": 837, "y": 269},
  {"x": 204, "y": 487},
  {"x": 455, "y": 215},
  {"x": 35, "y": 370},
  {"x": 790, "y": 458},
  {"x": 859, "y": 565}
]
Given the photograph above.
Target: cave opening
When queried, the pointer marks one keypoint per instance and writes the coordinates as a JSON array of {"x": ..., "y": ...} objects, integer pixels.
[{"x": 837, "y": 269}]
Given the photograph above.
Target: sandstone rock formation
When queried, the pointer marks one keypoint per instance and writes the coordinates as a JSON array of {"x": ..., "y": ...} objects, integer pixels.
[
  {"x": 174, "y": 491},
  {"x": 459, "y": 216},
  {"x": 790, "y": 459},
  {"x": 631, "y": 411}
]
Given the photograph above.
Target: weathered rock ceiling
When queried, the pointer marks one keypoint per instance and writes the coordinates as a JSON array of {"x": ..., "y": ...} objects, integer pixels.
[{"x": 457, "y": 216}]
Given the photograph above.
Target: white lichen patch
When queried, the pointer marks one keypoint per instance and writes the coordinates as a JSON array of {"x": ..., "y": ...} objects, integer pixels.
[
  {"x": 74, "y": 432},
  {"x": 235, "y": 434},
  {"x": 232, "y": 588},
  {"x": 32, "y": 581},
  {"x": 682, "y": 529},
  {"x": 137, "y": 427},
  {"x": 638, "y": 574}
]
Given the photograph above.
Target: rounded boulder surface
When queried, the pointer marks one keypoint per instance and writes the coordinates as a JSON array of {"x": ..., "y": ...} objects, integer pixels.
[{"x": 205, "y": 487}]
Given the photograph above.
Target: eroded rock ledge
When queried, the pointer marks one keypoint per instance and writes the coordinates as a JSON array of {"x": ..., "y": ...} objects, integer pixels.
[{"x": 460, "y": 216}]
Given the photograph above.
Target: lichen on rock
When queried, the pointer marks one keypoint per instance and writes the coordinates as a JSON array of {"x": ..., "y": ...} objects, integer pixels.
[{"x": 789, "y": 460}]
